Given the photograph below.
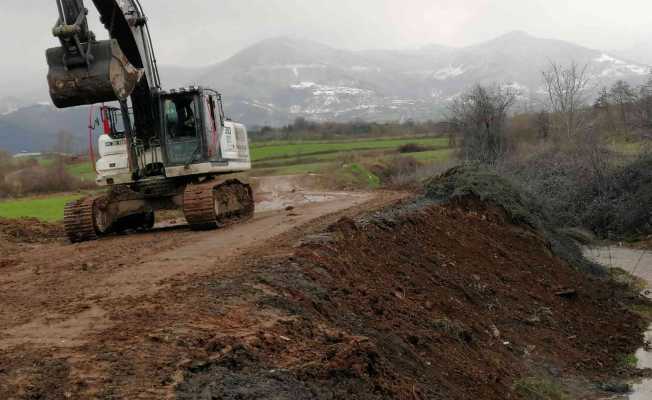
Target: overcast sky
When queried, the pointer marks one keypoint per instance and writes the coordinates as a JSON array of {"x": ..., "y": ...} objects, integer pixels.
[{"x": 200, "y": 32}]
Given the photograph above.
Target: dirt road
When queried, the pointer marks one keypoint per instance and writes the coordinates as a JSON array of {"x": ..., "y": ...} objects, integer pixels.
[{"x": 76, "y": 310}]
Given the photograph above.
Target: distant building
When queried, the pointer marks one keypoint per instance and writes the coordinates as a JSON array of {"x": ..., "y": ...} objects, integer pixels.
[{"x": 27, "y": 155}]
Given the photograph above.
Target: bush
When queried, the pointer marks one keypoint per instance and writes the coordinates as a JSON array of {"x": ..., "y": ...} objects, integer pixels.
[
  {"x": 554, "y": 177},
  {"x": 589, "y": 189},
  {"x": 30, "y": 178},
  {"x": 623, "y": 210},
  {"x": 413, "y": 148},
  {"x": 395, "y": 168}
]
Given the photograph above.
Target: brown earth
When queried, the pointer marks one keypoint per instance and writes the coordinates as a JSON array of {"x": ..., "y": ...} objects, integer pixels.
[
  {"x": 316, "y": 298},
  {"x": 29, "y": 230}
]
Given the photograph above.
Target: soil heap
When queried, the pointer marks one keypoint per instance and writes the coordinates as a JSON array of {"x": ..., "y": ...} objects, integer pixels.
[{"x": 458, "y": 295}]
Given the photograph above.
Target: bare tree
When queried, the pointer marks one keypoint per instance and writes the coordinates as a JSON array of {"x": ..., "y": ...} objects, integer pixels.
[
  {"x": 623, "y": 96},
  {"x": 566, "y": 87},
  {"x": 480, "y": 117}
]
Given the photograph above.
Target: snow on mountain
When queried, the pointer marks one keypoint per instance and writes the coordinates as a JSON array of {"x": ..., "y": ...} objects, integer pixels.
[
  {"x": 302, "y": 78},
  {"x": 449, "y": 72},
  {"x": 613, "y": 67}
]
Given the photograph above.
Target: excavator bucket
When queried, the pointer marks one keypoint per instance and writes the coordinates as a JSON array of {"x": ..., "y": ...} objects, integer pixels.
[{"x": 108, "y": 77}]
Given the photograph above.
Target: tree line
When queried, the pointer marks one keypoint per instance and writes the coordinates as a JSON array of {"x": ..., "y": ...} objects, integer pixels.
[
  {"x": 303, "y": 128},
  {"x": 481, "y": 119}
]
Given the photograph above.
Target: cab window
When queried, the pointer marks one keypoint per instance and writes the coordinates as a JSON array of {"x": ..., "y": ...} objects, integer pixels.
[{"x": 180, "y": 118}]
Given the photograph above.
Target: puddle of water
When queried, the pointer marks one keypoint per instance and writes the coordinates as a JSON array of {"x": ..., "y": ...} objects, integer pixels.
[
  {"x": 279, "y": 200},
  {"x": 643, "y": 390},
  {"x": 317, "y": 198},
  {"x": 640, "y": 264},
  {"x": 643, "y": 356}
]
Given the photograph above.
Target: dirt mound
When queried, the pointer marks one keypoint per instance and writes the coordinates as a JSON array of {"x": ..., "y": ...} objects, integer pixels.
[
  {"x": 476, "y": 187},
  {"x": 418, "y": 302},
  {"x": 29, "y": 230}
]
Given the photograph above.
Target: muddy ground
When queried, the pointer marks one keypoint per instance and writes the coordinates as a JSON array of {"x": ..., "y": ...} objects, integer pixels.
[{"x": 320, "y": 296}]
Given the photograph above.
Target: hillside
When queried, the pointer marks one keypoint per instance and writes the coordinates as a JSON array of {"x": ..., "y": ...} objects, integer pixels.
[
  {"x": 277, "y": 80},
  {"x": 35, "y": 128}
]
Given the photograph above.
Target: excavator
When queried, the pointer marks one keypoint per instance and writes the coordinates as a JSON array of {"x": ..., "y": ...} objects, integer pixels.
[{"x": 160, "y": 149}]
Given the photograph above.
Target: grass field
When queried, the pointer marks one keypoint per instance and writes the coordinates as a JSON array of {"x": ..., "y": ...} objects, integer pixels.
[
  {"x": 281, "y": 150},
  {"x": 44, "y": 208},
  {"x": 342, "y": 157},
  {"x": 83, "y": 170},
  {"x": 286, "y": 158}
]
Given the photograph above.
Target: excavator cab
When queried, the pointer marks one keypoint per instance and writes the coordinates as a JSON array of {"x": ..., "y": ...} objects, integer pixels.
[
  {"x": 194, "y": 129},
  {"x": 182, "y": 127}
]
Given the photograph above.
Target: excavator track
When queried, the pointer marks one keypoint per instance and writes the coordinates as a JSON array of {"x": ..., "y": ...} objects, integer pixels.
[
  {"x": 94, "y": 217},
  {"x": 216, "y": 204},
  {"x": 79, "y": 220}
]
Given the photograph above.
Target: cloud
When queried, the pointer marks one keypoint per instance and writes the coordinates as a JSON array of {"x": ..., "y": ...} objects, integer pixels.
[{"x": 199, "y": 32}]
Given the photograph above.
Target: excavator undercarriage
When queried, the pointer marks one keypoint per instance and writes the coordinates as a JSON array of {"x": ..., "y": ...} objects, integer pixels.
[{"x": 212, "y": 203}]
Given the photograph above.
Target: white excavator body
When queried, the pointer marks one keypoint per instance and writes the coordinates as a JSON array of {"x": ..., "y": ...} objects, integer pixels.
[{"x": 161, "y": 149}]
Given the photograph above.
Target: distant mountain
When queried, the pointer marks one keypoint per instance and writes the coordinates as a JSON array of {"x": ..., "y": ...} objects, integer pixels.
[
  {"x": 9, "y": 105},
  {"x": 641, "y": 51},
  {"x": 35, "y": 128},
  {"x": 277, "y": 80}
]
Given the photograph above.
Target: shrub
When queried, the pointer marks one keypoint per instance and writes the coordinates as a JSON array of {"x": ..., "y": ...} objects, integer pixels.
[
  {"x": 622, "y": 207},
  {"x": 395, "y": 168},
  {"x": 589, "y": 189},
  {"x": 34, "y": 179},
  {"x": 413, "y": 148}
]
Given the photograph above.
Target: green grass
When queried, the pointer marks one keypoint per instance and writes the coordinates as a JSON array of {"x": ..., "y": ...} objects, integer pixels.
[
  {"x": 292, "y": 150},
  {"x": 294, "y": 169},
  {"x": 44, "y": 208},
  {"x": 629, "y": 361},
  {"x": 442, "y": 155},
  {"x": 626, "y": 148},
  {"x": 83, "y": 171},
  {"x": 45, "y": 162},
  {"x": 540, "y": 389}
]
